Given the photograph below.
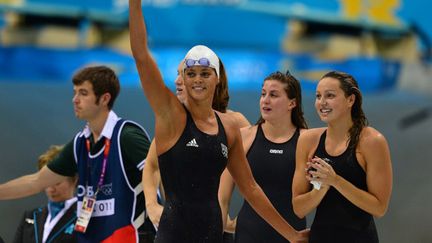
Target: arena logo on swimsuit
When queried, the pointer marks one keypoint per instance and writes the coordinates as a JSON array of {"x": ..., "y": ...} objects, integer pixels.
[{"x": 276, "y": 151}]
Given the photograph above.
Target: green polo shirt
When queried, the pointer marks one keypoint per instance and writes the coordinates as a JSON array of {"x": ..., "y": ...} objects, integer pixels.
[{"x": 134, "y": 148}]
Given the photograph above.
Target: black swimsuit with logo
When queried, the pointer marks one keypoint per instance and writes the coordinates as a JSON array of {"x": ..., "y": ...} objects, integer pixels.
[
  {"x": 190, "y": 173},
  {"x": 273, "y": 166}
]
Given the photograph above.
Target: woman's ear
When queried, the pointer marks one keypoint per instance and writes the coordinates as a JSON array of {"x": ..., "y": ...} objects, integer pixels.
[
  {"x": 351, "y": 100},
  {"x": 292, "y": 104}
]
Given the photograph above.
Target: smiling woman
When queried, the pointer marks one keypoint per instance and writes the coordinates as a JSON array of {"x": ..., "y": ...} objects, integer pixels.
[
  {"x": 195, "y": 144},
  {"x": 151, "y": 172},
  {"x": 201, "y": 72},
  {"x": 348, "y": 163}
]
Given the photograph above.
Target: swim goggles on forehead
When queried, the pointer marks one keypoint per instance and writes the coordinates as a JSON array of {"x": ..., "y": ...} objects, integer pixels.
[{"x": 201, "y": 62}]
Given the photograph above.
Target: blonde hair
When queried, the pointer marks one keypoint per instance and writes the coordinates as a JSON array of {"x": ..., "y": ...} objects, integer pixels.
[{"x": 52, "y": 152}]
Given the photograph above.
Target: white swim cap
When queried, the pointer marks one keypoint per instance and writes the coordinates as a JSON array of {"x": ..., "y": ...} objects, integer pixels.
[{"x": 201, "y": 56}]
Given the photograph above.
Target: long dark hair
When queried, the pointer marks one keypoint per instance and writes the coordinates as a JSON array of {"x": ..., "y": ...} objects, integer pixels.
[
  {"x": 293, "y": 91},
  {"x": 350, "y": 87},
  {"x": 221, "y": 96}
]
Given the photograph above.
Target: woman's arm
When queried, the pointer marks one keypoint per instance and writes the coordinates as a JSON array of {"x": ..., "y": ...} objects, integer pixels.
[
  {"x": 374, "y": 152},
  {"x": 151, "y": 79},
  {"x": 151, "y": 182},
  {"x": 226, "y": 188},
  {"x": 165, "y": 105},
  {"x": 304, "y": 199},
  {"x": 227, "y": 184}
]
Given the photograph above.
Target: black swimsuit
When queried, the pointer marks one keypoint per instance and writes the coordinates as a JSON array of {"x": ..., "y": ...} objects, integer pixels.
[
  {"x": 337, "y": 219},
  {"x": 190, "y": 173},
  {"x": 273, "y": 166}
]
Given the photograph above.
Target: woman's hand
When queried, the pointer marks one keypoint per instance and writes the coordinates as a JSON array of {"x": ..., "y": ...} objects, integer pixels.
[
  {"x": 320, "y": 170},
  {"x": 302, "y": 236},
  {"x": 154, "y": 212}
]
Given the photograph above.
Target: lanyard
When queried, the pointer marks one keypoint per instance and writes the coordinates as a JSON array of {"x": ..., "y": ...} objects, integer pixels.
[{"x": 104, "y": 163}]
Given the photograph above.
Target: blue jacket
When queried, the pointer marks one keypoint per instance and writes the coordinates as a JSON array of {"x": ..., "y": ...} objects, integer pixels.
[{"x": 31, "y": 227}]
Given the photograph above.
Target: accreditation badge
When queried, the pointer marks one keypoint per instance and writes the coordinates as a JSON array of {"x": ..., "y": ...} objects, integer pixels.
[{"x": 85, "y": 214}]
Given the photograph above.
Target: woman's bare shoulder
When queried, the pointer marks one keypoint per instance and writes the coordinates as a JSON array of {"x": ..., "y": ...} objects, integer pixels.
[
  {"x": 229, "y": 122},
  {"x": 241, "y": 120},
  {"x": 248, "y": 131},
  {"x": 370, "y": 138},
  {"x": 313, "y": 133}
]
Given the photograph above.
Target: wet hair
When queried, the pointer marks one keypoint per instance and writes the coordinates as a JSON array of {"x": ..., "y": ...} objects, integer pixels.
[
  {"x": 103, "y": 79},
  {"x": 350, "y": 87},
  {"x": 221, "y": 96},
  {"x": 52, "y": 152},
  {"x": 293, "y": 91}
]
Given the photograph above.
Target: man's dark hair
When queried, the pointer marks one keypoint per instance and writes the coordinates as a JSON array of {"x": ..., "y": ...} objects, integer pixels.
[{"x": 103, "y": 79}]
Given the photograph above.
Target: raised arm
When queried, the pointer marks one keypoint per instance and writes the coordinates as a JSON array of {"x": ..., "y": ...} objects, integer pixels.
[
  {"x": 304, "y": 199},
  {"x": 165, "y": 105},
  {"x": 151, "y": 182},
  {"x": 29, "y": 184},
  {"x": 158, "y": 95},
  {"x": 252, "y": 192}
]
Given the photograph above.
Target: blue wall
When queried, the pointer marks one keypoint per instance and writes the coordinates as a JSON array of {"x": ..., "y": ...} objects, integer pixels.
[
  {"x": 236, "y": 22},
  {"x": 246, "y": 34}
]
